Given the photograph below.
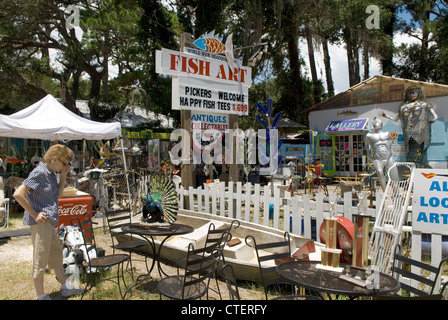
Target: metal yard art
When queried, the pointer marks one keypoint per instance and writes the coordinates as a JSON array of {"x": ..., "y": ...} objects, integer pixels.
[
  {"x": 161, "y": 202},
  {"x": 388, "y": 226},
  {"x": 271, "y": 154}
]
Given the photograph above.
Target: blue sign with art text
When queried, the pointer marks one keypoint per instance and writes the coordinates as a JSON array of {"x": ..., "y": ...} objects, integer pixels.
[{"x": 430, "y": 201}]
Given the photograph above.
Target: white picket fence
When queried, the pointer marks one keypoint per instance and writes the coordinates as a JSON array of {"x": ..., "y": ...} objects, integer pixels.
[
  {"x": 298, "y": 214},
  {"x": 254, "y": 203}
]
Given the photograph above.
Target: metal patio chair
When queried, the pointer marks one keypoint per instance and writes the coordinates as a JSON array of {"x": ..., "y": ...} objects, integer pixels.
[
  {"x": 268, "y": 255},
  {"x": 194, "y": 283},
  {"x": 421, "y": 278},
  {"x": 228, "y": 275},
  {"x": 216, "y": 238},
  {"x": 95, "y": 262},
  {"x": 115, "y": 220}
]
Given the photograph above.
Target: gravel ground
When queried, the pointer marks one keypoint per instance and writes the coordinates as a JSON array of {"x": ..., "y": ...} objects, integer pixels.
[{"x": 16, "y": 250}]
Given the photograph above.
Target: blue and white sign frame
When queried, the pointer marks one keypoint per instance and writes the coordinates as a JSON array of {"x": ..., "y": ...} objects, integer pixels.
[{"x": 430, "y": 201}]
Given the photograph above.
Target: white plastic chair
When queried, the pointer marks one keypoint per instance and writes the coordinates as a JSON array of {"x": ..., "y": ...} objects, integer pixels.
[{"x": 4, "y": 206}]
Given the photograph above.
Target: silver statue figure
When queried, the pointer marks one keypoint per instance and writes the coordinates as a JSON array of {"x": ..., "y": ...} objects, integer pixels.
[
  {"x": 416, "y": 115},
  {"x": 379, "y": 147}
]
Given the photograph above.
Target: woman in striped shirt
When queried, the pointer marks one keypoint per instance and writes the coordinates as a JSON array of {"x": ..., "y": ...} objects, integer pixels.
[{"x": 38, "y": 195}]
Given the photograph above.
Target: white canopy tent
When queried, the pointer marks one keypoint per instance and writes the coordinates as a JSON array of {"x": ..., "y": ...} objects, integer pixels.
[{"x": 47, "y": 119}]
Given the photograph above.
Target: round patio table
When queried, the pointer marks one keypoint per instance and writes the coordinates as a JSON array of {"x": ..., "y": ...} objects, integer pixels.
[
  {"x": 149, "y": 232},
  {"x": 353, "y": 284}
]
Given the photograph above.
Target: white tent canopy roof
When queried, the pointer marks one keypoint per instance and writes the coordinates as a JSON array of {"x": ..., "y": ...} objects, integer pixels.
[{"x": 47, "y": 119}]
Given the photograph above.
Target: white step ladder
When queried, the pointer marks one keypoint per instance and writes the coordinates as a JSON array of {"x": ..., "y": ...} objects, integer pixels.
[{"x": 392, "y": 214}]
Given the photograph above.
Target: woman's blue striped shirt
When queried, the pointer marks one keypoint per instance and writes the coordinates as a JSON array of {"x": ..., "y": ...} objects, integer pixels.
[{"x": 43, "y": 194}]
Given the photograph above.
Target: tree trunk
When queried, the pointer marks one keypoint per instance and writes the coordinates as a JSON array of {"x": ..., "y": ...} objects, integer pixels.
[
  {"x": 75, "y": 86},
  {"x": 95, "y": 88},
  {"x": 312, "y": 62},
  {"x": 327, "y": 63},
  {"x": 294, "y": 92},
  {"x": 106, "y": 69},
  {"x": 353, "y": 64},
  {"x": 75, "y": 91},
  {"x": 387, "y": 65},
  {"x": 422, "y": 72},
  {"x": 366, "y": 63}
]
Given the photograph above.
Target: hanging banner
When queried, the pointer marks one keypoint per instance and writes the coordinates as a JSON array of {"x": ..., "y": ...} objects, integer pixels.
[
  {"x": 177, "y": 63},
  {"x": 209, "y": 96},
  {"x": 430, "y": 201}
]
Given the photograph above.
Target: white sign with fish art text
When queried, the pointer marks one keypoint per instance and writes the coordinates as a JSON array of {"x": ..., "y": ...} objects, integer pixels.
[{"x": 175, "y": 63}]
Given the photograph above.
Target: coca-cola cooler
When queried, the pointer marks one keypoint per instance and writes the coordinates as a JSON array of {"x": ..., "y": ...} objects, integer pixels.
[{"x": 74, "y": 206}]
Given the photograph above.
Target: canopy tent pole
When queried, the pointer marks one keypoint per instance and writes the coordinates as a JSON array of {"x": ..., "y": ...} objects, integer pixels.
[
  {"x": 84, "y": 149},
  {"x": 126, "y": 173},
  {"x": 48, "y": 119}
]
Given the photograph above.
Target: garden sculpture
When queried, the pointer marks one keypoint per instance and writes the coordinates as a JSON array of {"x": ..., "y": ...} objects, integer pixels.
[{"x": 379, "y": 145}]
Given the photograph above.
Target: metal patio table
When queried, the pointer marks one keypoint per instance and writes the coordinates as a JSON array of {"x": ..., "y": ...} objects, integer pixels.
[
  {"x": 352, "y": 283},
  {"x": 149, "y": 232}
]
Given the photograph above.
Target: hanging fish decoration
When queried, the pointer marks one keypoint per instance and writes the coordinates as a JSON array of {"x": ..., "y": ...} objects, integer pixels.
[
  {"x": 215, "y": 44},
  {"x": 161, "y": 203},
  {"x": 347, "y": 112}
]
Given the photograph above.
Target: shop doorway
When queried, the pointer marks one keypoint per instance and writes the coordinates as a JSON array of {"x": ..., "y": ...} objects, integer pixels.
[{"x": 350, "y": 154}]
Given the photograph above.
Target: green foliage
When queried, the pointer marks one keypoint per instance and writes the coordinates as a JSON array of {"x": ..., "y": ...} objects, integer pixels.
[
  {"x": 126, "y": 35},
  {"x": 411, "y": 63}
]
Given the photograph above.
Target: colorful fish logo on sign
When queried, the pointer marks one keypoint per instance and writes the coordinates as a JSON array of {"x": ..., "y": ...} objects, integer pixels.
[
  {"x": 214, "y": 44},
  {"x": 432, "y": 175},
  {"x": 347, "y": 112}
]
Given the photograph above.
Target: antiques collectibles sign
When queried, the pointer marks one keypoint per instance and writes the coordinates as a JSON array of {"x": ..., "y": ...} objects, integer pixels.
[
  {"x": 204, "y": 84},
  {"x": 430, "y": 201},
  {"x": 208, "y": 130},
  {"x": 209, "y": 121}
]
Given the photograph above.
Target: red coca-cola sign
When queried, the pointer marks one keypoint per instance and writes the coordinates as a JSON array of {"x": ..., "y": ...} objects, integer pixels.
[
  {"x": 75, "y": 207},
  {"x": 73, "y": 210}
]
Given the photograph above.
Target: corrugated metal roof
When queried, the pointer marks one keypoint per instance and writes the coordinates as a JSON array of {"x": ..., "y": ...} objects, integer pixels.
[{"x": 131, "y": 117}]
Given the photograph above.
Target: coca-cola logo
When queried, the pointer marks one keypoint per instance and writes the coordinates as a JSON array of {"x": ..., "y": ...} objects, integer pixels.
[{"x": 77, "y": 209}]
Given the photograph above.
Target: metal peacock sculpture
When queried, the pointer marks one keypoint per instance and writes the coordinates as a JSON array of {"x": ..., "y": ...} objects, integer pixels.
[{"x": 161, "y": 203}]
